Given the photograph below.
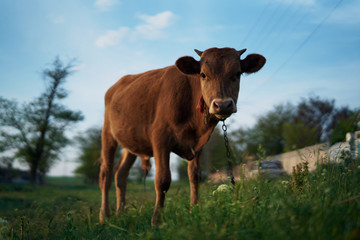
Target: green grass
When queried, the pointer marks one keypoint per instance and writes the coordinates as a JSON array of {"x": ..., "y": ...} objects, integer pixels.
[{"x": 325, "y": 204}]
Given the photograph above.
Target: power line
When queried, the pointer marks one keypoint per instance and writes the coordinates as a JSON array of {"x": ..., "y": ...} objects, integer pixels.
[
  {"x": 275, "y": 24},
  {"x": 267, "y": 23},
  {"x": 294, "y": 28},
  {"x": 306, "y": 40},
  {"x": 256, "y": 23}
]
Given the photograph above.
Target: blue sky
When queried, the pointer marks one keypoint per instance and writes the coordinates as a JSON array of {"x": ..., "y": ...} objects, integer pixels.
[{"x": 312, "y": 47}]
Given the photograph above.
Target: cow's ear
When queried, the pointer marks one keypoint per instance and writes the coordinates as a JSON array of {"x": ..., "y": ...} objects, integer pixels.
[
  {"x": 188, "y": 65},
  {"x": 252, "y": 63}
]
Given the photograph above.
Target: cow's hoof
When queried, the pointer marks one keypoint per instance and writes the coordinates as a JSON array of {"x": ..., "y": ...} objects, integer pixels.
[
  {"x": 156, "y": 221},
  {"x": 102, "y": 216}
]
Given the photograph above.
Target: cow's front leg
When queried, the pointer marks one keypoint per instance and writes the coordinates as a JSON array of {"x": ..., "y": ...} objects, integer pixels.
[
  {"x": 194, "y": 173},
  {"x": 162, "y": 182}
]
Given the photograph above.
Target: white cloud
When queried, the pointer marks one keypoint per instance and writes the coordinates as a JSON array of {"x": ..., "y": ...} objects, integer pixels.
[
  {"x": 153, "y": 25},
  {"x": 151, "y": 28},
  {"x": 112, "y": 37},
  {"x": 105, "y": 5}
]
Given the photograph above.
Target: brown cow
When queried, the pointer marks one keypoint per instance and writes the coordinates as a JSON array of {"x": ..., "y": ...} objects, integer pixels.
[{"x": 173, "y": 109}]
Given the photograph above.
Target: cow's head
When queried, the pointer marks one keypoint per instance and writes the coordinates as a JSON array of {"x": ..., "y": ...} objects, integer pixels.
[{"x": 219, "y": 71}]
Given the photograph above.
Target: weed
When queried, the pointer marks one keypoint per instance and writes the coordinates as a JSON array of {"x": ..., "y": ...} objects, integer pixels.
[
  {"x": 323, "y": 204},
  {"x": 4, "y": 228},
  {"x": 261, "y": 153},
  {"x": 69, "y": 228},
  {"x": 299, "y": 175}
]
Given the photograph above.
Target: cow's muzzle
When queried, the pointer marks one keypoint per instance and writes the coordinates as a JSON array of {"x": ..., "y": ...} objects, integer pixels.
[{"x": 222, "y": 108}]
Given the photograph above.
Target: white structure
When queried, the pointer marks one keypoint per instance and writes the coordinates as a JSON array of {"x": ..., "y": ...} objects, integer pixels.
[{"x": 357, "y": 143}]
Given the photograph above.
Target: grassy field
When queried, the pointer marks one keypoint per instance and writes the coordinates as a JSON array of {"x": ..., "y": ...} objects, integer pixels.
[{"x": 324, "y": 204}]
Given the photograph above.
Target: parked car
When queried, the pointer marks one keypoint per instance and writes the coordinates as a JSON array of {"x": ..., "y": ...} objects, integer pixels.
[{"x": 270, "y": 169}]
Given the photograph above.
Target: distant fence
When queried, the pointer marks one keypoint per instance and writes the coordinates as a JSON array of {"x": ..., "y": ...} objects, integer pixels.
[{"x": 314, "y": 155}]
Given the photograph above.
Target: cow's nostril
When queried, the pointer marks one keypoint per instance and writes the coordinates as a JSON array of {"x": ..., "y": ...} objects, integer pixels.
[
  {"x": 228, "y": 105},
  {"x": 216, "y": 106},
  {"x": 222, "y": 106}
]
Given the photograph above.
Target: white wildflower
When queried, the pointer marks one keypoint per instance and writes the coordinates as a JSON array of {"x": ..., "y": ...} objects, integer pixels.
[{"x": 223, "y": 188}]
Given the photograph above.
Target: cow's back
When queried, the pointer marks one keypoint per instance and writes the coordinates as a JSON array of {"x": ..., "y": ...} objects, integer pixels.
[{"x": 138, "y": 103}]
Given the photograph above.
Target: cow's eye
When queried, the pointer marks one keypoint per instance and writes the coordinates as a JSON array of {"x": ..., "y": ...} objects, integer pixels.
[{"x": 202, "y": 75}]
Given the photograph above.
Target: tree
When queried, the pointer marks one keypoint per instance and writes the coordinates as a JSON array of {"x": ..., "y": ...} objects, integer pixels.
[
  {"x": 89, "y": 144},
  {"x": 298, "y": 135},
  {"x": 343, "y": 121},
  {"x": 289, "y": 127},
  {"x": 182, "y": 169},
  {"x": 316, "y": 113},
  {"x": 267, "y": 131},
  {"x": 34, "y": 132},
  {"x": 213, "y": 156}
]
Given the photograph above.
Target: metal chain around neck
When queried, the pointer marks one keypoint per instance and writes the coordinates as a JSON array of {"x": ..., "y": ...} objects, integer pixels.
[{"x": 228, "y": 153}]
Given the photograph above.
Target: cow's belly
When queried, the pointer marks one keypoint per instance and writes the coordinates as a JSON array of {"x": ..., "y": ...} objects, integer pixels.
[
  {"x": 132, "y": 136},
  {"x": 134, "y": 142},
  {"x": 130, "y": 121}
]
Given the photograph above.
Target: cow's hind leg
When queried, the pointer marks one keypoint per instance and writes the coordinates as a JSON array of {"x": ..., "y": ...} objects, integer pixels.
[
  {"x": 108, "y": 150},
  {"x": 121, "y": 175}
]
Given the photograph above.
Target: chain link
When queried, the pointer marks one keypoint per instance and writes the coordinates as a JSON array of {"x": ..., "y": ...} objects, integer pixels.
[{"x": 228, "y": 153}]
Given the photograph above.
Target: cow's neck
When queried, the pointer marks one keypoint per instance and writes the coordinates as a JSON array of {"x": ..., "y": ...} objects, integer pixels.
[{"x": 204, "y": 122}]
